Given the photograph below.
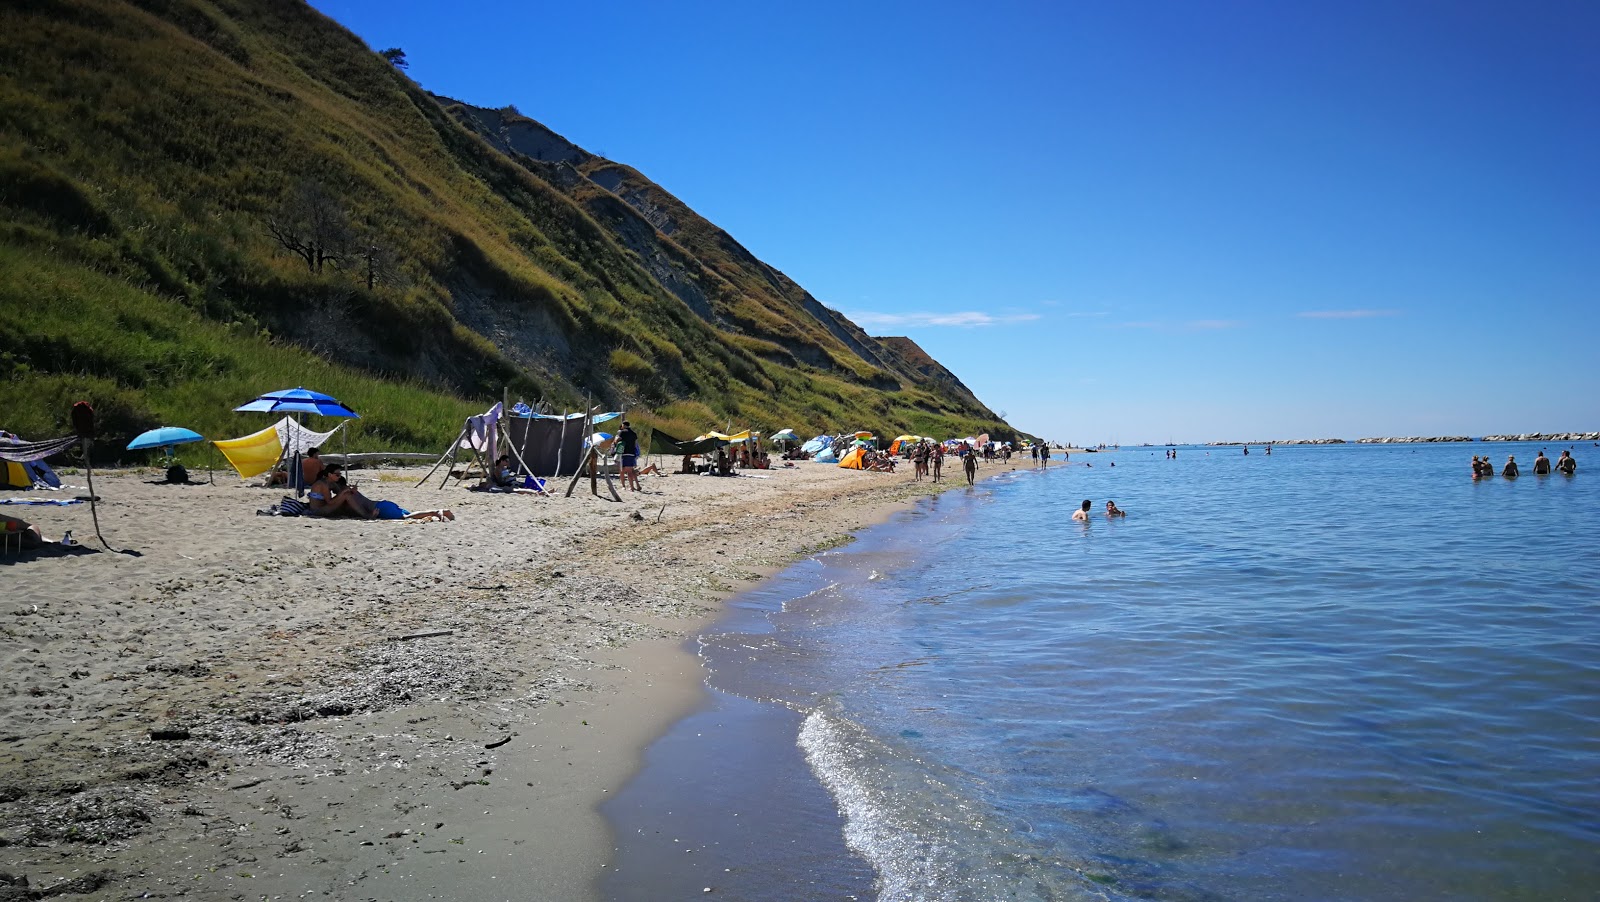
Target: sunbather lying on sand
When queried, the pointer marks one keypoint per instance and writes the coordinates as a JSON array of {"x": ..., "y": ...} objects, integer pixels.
[{"x": 21, "y": 531}]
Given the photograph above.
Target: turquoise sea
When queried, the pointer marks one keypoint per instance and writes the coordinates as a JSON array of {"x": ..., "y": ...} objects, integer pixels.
[{"x": 1336, "y": 672}]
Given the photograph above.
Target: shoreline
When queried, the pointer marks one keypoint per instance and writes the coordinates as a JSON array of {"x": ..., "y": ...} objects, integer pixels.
[{"x": 305, "y": 749}]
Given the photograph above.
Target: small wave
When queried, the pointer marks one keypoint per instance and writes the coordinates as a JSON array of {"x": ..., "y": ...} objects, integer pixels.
[{"x": 927, "y": 839}]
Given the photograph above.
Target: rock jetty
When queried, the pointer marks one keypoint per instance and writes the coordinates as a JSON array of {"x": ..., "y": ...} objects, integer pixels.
[
  {"x": 1545, "y": 437},
  {"x": 1413, "y": 440}
]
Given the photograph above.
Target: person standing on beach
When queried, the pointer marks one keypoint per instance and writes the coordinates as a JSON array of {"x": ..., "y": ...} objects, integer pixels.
[
  {"x": 1033, "y": 451},
  {"x": 1082, "y": 513},
  {"x": 969, "y": 463},
  {"x": 1567, "y": 465},
  {"x": 938, "y": 461},
  {"x": 1044, "y": 456},
  {"x": 628, "y": 448}
]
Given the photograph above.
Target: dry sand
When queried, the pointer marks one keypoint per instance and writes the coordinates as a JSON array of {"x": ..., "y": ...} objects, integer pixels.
[{"x": 232, "y": 714}]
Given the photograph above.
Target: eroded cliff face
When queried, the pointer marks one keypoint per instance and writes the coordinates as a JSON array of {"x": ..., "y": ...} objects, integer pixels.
[{"x": 706, "y": 268}]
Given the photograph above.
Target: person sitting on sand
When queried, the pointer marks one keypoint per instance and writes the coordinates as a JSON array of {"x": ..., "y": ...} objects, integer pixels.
[
  {"x": 1113, "y": 511},
  {"x": 332, "y": 496},
  {"x": 1082, "y": 513},
  {"x": 1566, "y": 465},
  {"x": 724, "y": 463},
  {"x": 1511, "y": 471},
  {"x": 1541, "y": 465},
  {"x": 502, "y": 477},
  {"x": 310, "y": 466}
]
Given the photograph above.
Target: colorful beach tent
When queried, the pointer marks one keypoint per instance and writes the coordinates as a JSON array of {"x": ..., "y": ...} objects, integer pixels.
[
  {"x": 852, "y": 461},
  {"x": 826, "y": 456},
  {"x": 817, "y": 444},
  {"x": 24, "y": 461}
]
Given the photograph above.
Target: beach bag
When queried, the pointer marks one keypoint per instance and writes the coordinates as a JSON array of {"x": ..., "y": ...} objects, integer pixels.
[
  {"x": 388, "y": 510},
  {"x": 291, "y": 507}
]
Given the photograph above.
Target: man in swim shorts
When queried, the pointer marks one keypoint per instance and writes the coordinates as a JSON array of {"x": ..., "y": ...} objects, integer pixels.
[
  {"x": 1541, "y": 465},
  {"x": 628, "y": 448},
  {"x": 1566, "y": 465}
]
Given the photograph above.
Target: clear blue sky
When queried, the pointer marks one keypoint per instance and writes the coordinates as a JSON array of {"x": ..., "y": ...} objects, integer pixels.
[{"x": 1129, "y": 222}]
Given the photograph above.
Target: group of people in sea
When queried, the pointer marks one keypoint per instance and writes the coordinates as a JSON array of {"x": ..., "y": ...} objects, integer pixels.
[
  {"x": 1566, "y": 465},
  {"x": 1082, "y": 513}
]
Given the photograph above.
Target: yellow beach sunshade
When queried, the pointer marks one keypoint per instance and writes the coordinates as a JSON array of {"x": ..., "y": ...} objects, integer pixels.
[{"x": 253, "y": 454}]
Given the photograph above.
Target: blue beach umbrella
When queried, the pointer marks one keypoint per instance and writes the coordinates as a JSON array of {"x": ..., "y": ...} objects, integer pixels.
[
  {"x": 298, "y": 400},
  {"x": 164, "y": 437}
]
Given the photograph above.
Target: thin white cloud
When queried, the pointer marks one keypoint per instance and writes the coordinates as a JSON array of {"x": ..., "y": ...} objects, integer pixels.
[
  {"x": 965, "y": 319},
  {"x": 1346, "y": 314},
  {"x": 1196, "y": 325}
]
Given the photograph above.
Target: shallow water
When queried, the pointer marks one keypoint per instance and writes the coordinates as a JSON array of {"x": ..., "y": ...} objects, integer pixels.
[{"x": 1342, "y": 672}]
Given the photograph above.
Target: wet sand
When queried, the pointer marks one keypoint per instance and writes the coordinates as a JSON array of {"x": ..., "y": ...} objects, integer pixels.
[{"x": 235, "y": 712}]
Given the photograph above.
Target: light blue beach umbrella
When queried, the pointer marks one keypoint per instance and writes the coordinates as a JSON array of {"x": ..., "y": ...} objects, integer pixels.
[{"x": 164, "y": 437}]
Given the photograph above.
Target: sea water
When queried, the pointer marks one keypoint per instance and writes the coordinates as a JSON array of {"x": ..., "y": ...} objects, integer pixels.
[{"x": 1346, "y": 672}]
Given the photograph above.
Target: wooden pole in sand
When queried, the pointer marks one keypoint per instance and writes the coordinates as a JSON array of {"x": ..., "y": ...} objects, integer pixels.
[{"x": 577, "y": 476}]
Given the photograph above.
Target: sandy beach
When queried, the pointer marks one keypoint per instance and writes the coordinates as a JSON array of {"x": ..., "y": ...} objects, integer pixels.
[{"x": 265, "y": 707}]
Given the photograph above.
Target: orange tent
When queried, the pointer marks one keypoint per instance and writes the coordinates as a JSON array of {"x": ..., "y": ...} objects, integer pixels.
[{"x": 852, "y": 461}]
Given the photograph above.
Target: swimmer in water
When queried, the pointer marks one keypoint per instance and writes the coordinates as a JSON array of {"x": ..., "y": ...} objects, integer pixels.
[
  {"x": 1113, "y": 511},
  {"x": 1082, "y": 513}
]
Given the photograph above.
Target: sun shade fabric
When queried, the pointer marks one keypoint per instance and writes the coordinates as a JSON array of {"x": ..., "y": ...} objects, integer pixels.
[
  {"x": 661, "y": 443},
  {"x": 26, "y": 452},
  {"x": 297, "y": 439},
  {"x": 253, "y": 454},
  {"x": 256, "y": 453},
  {"x": 551, "y": 446},
  {"x": 483, "y": 432}
]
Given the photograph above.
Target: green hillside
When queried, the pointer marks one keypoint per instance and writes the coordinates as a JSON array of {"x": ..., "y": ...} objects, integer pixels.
[{"x": 201, "y": 201}]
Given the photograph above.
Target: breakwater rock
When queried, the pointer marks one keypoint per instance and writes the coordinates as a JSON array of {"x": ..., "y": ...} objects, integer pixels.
[
  {"x": 1413, "y": 440},
  {"x": 1545, "y": 437}
]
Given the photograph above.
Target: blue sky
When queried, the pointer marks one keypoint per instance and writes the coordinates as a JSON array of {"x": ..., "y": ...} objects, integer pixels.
[{"x": 1119, "y": 222}]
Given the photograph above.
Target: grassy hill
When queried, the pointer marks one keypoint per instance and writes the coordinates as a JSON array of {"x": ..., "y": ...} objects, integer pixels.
[{"x": 201, "y": 201}]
